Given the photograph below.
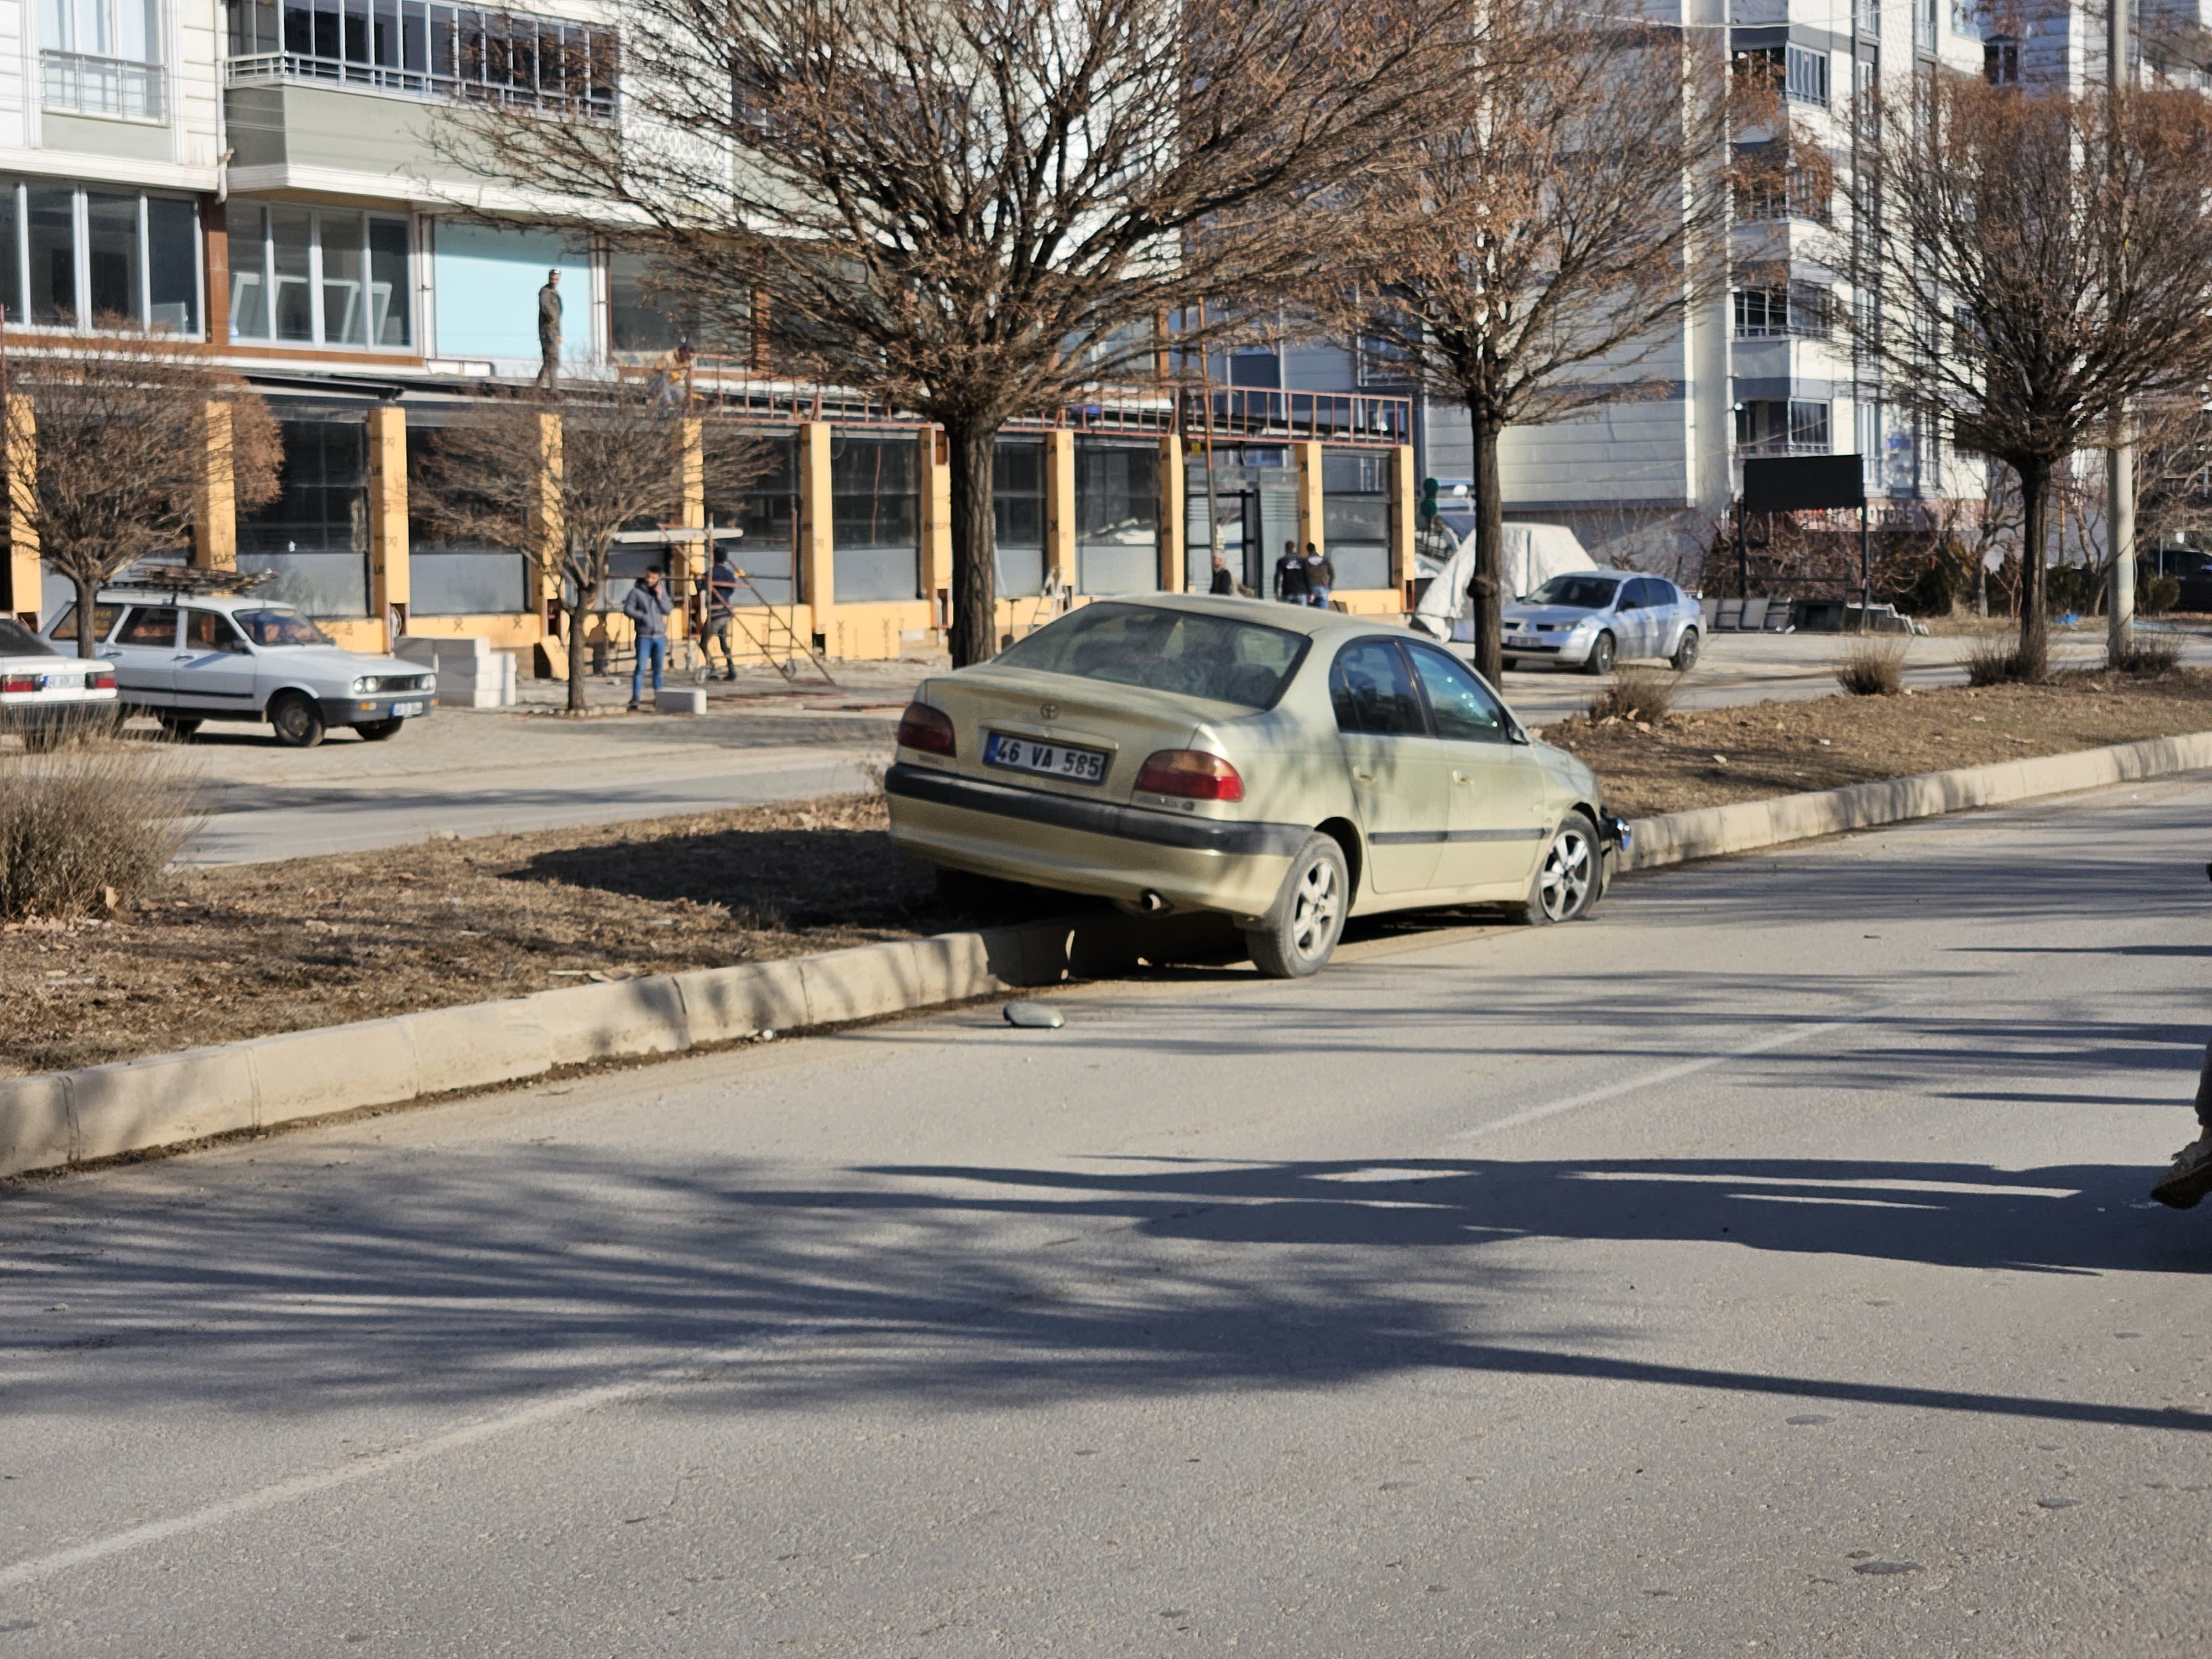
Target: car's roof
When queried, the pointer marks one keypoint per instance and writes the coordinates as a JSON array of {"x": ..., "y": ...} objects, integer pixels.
[
  {"x": 1264, "y": 613},
  {"x": 129, "y": 593}
]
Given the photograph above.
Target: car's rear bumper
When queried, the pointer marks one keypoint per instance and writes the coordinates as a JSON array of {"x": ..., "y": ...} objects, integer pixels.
[
  {"x": 52, "y": 713},
  {"x": 1090, "y": 846}
]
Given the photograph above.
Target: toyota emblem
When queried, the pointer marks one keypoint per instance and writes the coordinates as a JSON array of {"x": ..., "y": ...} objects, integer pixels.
[{"x": 1050, "y": 710}]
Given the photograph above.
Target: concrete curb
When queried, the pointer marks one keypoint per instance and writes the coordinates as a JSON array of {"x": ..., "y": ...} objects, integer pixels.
[
  {"x": 59, "y": 1118},
  {"x": 1746, "y": 826}
]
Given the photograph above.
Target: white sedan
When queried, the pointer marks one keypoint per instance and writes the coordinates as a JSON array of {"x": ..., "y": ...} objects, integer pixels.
[{"x": 44, "y": 696}]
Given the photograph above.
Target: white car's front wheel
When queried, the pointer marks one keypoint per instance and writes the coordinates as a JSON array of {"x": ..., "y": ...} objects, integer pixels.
[{"x": 1309, "y": 918}]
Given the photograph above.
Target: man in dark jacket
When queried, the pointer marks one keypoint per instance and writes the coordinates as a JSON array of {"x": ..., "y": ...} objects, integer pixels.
[
  {"x": 721, "y": 603},
  {"x": 647, "y": 608},
  {"x": 1290, "y": 576},
  {"x": 1321, "y": 577},
  {"x": 1223, "y": 582}
]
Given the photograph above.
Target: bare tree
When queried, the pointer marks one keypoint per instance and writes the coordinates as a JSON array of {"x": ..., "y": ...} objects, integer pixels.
[
  {"x": 558, "y": 479},
  {"x": 974, "y": 209},
  {"x": 2034, "y": 261},
  {"x": 1571, "y": 207},
  {"x": 125, "y": 435}
]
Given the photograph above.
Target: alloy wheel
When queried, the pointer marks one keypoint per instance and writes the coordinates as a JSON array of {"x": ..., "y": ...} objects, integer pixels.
[
  {"x": 1563, "y": 883},
  {"x": 1314, "y": 910}
]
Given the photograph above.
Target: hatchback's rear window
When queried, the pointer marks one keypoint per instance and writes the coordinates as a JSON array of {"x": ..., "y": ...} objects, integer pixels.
[{"x": 1183, "y": 652}]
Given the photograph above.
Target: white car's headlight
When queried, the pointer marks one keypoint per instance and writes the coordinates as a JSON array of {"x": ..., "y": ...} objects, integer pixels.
[{"x": 363, "y": 684}]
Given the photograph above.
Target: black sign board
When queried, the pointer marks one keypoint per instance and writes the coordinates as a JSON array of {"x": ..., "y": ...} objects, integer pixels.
[{"x": 1785, "y": 483}]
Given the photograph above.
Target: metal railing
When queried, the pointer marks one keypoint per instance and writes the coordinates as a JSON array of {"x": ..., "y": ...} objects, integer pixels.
[{"x": 78, "y": 83}]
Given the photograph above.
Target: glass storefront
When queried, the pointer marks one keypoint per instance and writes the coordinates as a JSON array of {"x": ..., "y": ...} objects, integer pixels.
[
  {"x": 1017, "y": 516},
  {"x": 876, "y": 517},
  {"x": 1117, "y": 517},
  {"x": 315, "y": 535}
]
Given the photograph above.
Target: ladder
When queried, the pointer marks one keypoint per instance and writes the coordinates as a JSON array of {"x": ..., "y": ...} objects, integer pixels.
[{"x": 775, "y": 633}]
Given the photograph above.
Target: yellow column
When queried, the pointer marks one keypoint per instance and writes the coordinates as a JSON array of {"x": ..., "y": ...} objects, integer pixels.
[
  {"x": 1173, "y": 518},
  {"x": 690, "y": 566},
  {"x": 818, "y": 573},
  {"x": 548, "y": 535},
  {"x": 1310, "y": 511},
  {"x": 1059, "y": 505},
  {"x": 1404, "y": 514},
  {"x": 936, "y": 479},
  {"x": 215, "y": 501},
  {"x": 22, "y": 464},
  {"x": 389, "y": 591}
]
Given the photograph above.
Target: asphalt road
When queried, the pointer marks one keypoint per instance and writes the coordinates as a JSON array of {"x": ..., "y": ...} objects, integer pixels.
[{"x": 1762, "y": 1265}]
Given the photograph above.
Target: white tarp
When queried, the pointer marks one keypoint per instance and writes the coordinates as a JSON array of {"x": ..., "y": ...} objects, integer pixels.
[{"x": 1531, "y": 555}]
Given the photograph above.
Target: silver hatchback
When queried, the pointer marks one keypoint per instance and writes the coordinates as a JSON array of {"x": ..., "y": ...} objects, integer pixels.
[{"x": 1589, "y": 619}]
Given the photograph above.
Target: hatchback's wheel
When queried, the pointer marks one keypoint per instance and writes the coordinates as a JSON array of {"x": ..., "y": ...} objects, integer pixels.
[
  {"x": 1571, "y": 878},
  {"x": 1509, "y": 664},
  {"x": 1309, "y": 918},
  {"x": 299, "y": 723},
  {"x": 378, "y": 731},
  {"x": 178, "y": 727},
  {"x": 1601, "y": 655},
  {"x": 1685, "y": 654}
]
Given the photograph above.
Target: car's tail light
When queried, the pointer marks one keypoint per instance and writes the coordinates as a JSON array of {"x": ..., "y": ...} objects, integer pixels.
[
  {"x": 20, "y": 682},
  {"x": 101, "y": 679},
  {"x": 1191, "y": 773},
  {"x": 927, "y": 729}
]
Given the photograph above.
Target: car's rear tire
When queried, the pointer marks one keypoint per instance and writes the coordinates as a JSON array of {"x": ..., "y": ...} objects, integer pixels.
[
  {"x": 1509, "y": 664},
  {"x": 1686, "y": 654},
  {"x": 178, "y": 728},
  {"x": 1309, "y": 916},
  {"x": 298, "y": 723},
  {"x": 1570, "y": 877},
  {"x": 1603, "y": 650},
  {"x": 378, "y": 731}
]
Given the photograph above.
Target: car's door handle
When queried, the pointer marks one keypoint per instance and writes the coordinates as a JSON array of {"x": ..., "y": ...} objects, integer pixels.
[
  {"x": 1364, "y": 777},
  {"x": 1460, "y": 777}
]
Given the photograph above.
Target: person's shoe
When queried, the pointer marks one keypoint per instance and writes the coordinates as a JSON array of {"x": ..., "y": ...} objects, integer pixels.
[
  {"x": 630, "y": 708},
  {"x": 2189, "y": 1179}
]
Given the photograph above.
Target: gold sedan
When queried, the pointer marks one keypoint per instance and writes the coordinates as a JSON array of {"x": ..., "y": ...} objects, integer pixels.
[{"x": 1285, "y": 767}]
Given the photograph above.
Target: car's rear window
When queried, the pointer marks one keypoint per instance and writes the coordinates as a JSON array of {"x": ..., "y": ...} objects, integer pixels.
[
  {"x": 1184, "y": 652},
  {"x": 17, "y": 640}
]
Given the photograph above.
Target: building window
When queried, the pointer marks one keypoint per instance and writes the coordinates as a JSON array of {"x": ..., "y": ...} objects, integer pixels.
[
  {"x": 106, "y": 260},
  {"x": 322, "y": 277},
  {"x": 102, "y": 57},
  {"x": 429, "y": 50},
  {"x": 1017, "y": 516},
  {"x": 1790, "y": 192},
  {"x": 1802, "y": 309},
  {"x": 313, "y": 538},
  {"x": 1117, "y": 517},
  {"x": 2001, "y": 61},
  {"x": 1808, "y": 76},
  {"x": 875, "y": 518},
  {"x": 1773, "y": 427}
]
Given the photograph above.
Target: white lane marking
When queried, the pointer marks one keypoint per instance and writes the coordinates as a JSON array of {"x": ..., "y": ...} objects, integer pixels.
[
  {"x": 1781, "y": 1039},
  {"x": 261, "y": 1498}
]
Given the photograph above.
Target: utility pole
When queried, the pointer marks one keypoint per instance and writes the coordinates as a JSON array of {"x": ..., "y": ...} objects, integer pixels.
[{"x": 2120, "y": 459}]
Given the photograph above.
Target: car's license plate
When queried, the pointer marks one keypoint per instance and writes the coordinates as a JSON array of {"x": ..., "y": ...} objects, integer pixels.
[
  {"x": 1527, "y": 641},
  {"x": 401, "y": 710},
  {"x": 1057, "y": 760}
]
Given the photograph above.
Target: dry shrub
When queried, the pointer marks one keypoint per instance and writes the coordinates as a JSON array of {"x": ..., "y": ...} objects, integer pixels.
[
  {"x": 2003, "y": 662},
  {"x": 1636, "y": 693},
  {"x": 1872, "y": 666},
  {"x": 2148, "y": 656},
  {"x": 90, "y": 826}
]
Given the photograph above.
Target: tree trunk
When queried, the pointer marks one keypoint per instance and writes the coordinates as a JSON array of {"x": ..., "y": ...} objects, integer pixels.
[
  {"x": 2034, "y": 654},
  {"x": 88, "y": 593},
  {"x": 1488, "y": 589},
  {"x": 973, "y": 443},
  {"x": 585, "y": 600}
]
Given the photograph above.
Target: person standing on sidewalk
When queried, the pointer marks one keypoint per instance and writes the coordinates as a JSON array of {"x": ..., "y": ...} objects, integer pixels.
[
  {"x": 721, "y": 605},
  {"x": 1224, "y": 581},
  {"x": 647, "y": 607},
  {"x": 1290, "y": 576},
  {"x": 1321, "y": 577}
]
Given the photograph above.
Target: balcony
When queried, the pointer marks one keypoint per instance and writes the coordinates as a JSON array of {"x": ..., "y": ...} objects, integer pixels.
[
  {"x": 415, "y": 49},
  {"x": 75, "y": 84}
]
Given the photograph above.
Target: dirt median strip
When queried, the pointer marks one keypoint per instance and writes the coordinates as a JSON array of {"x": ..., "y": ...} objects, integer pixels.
[{"x": 62, "y": 1118}]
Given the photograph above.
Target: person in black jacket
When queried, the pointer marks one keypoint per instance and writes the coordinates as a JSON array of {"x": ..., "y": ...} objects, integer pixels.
[
  {"x": 1290, "y": 585},
  {"x": 1223, "y": 582}
]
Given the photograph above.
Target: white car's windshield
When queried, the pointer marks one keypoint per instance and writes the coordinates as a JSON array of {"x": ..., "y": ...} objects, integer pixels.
[
  {"x": 279, "y": 628},
  {"x": 1182, "y": 651},
  {"x": 1582, "y": 592}
]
